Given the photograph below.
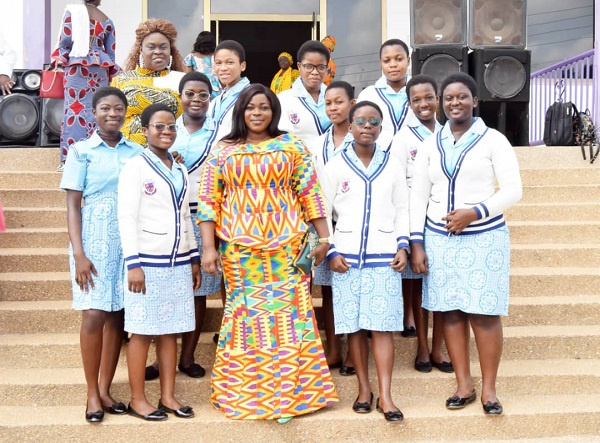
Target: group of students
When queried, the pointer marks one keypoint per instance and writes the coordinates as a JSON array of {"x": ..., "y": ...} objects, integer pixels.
[{"x": 251, "y": 169}]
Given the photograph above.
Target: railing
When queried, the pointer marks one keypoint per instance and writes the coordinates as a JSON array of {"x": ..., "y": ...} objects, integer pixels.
[{"x": 576, "y": 77}]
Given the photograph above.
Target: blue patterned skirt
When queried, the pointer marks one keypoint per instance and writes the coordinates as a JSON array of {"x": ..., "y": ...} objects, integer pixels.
[
  {"x": 102, "y": 245},
  {"x": 168, "y": 305},
  {"x": 469, "y": 273},
  {"x": 210, "y": 283},
  {"x": 368, "y": 298}
]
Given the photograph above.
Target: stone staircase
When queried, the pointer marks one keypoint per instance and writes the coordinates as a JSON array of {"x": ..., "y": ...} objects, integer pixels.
[{"x": 549, "y": 381}]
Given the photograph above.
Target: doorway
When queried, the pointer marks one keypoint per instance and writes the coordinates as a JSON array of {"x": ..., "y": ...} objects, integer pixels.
[{"x": 263, "y": 42}]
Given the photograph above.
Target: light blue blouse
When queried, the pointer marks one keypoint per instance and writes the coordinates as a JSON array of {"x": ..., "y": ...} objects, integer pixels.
[
  {"x": 378, "y": 158},
  {"x": 92, "y": 166},
  {"x": 194, "y": 147},
  {"x": 175, "y": 174},
  {"x": 318, "y": 108},
  {"x": 453, "y": 150}
]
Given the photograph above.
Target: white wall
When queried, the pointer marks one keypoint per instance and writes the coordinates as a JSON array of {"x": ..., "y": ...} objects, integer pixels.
[
  {"x": 398, "y": 20},
  {"x": 11, "y": 26},
  {"x": 126, "y": 14}
]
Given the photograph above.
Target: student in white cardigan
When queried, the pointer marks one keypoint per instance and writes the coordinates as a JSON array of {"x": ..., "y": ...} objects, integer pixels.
[
  {"x": 303, "y": 106},
  {"x": 161, "y": 256},
  {"x": 389, "y": 92},
  {"x": 459, "y": 237},
  {"x": 422, "y": 98},
  {"x": 365, "y": 191}
]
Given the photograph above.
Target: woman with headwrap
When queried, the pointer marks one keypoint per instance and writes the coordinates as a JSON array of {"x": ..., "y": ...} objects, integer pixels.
[
  {"x": 329, "y": 42},
  {"x": 286, "y": 75}
]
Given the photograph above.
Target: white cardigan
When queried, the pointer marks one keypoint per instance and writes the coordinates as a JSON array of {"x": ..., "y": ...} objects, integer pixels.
[
  {"x": 435, "y": 193},
  {"x": 155, "y": 224},
  {"x": 371, "y": 212},
  {"x": 298, "y": 118}
]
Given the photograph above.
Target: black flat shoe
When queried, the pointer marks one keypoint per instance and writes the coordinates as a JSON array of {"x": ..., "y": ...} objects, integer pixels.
[
  {"x": 423, "y": 366},
  {"x": 390, "y": 415},
  {"x": 347, "y": 371},
  {"x": 94, "y": 417},
  {"x": 194, "y": 370},
  {"x": 118, "y": 408},
  {"x": 151, "y": 373},
  {"x": 363, "y": 407},
  {"x": 456, "y": 402},
  {"x": 409, "y": 332},
  {"x": 216, "y": 338},
  {"x": 494, "y": 408},
  {"x": 444, "y": 366},
  {"x": 336, "y": 365},
  {"x": 157, "y": 415},
  {"x": 182, "y": 412}
]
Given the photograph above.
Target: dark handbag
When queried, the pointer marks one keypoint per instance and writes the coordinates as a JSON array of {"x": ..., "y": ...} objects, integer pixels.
[
  {"x": 52, "y": 82},
  {"x": 302, "y": 262}
]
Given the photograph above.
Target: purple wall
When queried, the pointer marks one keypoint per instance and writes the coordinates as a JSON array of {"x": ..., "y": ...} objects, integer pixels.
[{"x": 36, "y": 33}]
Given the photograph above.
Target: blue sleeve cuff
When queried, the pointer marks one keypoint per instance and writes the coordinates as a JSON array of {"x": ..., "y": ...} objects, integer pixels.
[
  {"x": 332, "y": 252},
  {"x": 402, "y": 242},
  {"x": 482, "y": 211},
  {"x": 133, "y": 262},
  {"x": 416, "y": 237}
]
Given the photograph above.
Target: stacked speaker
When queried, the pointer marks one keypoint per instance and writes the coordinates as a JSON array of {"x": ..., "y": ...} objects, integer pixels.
[
  {"x": 485, "y": 38},
  {"x": 25, "y": 118}
]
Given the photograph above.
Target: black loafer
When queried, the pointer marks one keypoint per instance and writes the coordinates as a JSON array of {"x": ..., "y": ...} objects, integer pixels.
[
  {"x": 494, "y": 408},
  {"x": 194, "y": 370},
  {"x": 94, "y": 417},
  {"x": 182, "y": 412},
  {"x": 456, "y": 402},
  {"x": 336, "y": 365},
  {"x": 157, "y": 415},
  {"x": 444, "y": 366},
  {"x": 363, "y": 407},
  {"x": 151, "y": 373},
  {"x": 390, "y": 415},
  {"x": 347, "y": 371},
  {"x": 423, "y": 366},
  {"x": 409, "y": 332},
  {"x": 117, "y": 408}
]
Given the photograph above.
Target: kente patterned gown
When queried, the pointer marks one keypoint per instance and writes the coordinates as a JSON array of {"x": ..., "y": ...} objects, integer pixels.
[
  {"x": 83, "y": 76},
  {"x": 144, "y": 87},
  {"x": 270, "y": 361}
]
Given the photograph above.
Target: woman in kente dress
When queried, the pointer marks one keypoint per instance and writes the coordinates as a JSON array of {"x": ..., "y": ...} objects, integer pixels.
[
  {"x": 257, "y": 192},
  {"x": 153, "y": 71}
]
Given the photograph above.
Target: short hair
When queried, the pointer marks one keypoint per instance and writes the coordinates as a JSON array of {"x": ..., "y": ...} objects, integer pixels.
[
  {"x": 420, "y": 79},
  {"x": 107, "y": 91},
  {"x": 342, "y": 85},
  {"x": 363, "y": 104},
  {"x": 194, "y": 76},
  {"x": 233, "y": 46},
  {"x": 313, "y": 46},
  {"x": 239, "y": 131},
  {"x": 205, "y": 43},
  {"x": 394, "y": 42},
  {"x": 151, "y": 110},
  {"x": 461, "y": 77}
]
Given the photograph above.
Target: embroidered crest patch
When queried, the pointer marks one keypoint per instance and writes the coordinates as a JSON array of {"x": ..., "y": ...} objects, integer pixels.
[
  {"x": 345, "y": 185},
  {"x": 413, "y": 153},
  {"x": 294, "y": 118},
  {"x": 149, "y": 188}
]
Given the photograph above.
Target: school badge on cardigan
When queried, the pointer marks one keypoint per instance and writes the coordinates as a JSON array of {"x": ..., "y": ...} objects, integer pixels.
[
  {"x": 413, "y": 153},
  {"x": 345, "y": 185},
  {"x": 294, "y": 118},
  {"x": 149, "y": 188}
]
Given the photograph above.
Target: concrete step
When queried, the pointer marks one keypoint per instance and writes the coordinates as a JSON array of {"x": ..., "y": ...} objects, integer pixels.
[
  {"x": 583, "y": 175},
  {"x": 425, "y": 420},
  {"x": 32, "y": 350},
  {"x": 22, "y": 317},
  {"x": 29, "y": 159},
  {"x": 554, "y": 211},
  {"x": 35, "y": 179},
  {"x": 66, "y": 386},
  {"x": 556, "y": 255},
  {"x": 561, "y": 193},
  {"x": 34, "y": 260},
  {"x": 554, "y": 231},
  {"x": 33, "y": 198},
  {"x": 34, "y": 238},
  {"x": 551, "y": 157},
  {"x": 34, "y": 218}
]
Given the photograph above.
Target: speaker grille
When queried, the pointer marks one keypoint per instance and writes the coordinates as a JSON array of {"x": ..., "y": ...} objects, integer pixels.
[
  {"x": 440, "y": 66},
  {"x": 53, "y": 114},
  {"x": 504, "y": 77},
  {"x": 438, "y": 22},
  {"x": 19, "y": 116},
  {"x": 498, "y": 23}
]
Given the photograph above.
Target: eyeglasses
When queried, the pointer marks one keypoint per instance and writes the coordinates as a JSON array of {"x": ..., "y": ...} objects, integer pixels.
[
  {"x": 361, "y": 121},
  {"x": 202, "y": 96},
  {"x": 310, "y": 67},
  {"x": 160, "y": 127}
]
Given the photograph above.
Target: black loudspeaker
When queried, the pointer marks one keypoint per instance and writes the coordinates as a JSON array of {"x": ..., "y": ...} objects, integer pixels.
[
  {"x": 498, "y": 24},
  {"x": 501, "y": 74},
  {"x": 439, "y": 61},
  {"x": 510, "y": 118},
  {"x": 27, "y": 81},
  {"x": 435, "y": 22},
  {"x": 52, "y": 110},
  {"x": 19, "y": 119}
]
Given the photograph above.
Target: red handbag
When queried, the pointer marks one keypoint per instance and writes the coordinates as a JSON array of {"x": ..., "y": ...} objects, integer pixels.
[{"x": 52, "y": 82}]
